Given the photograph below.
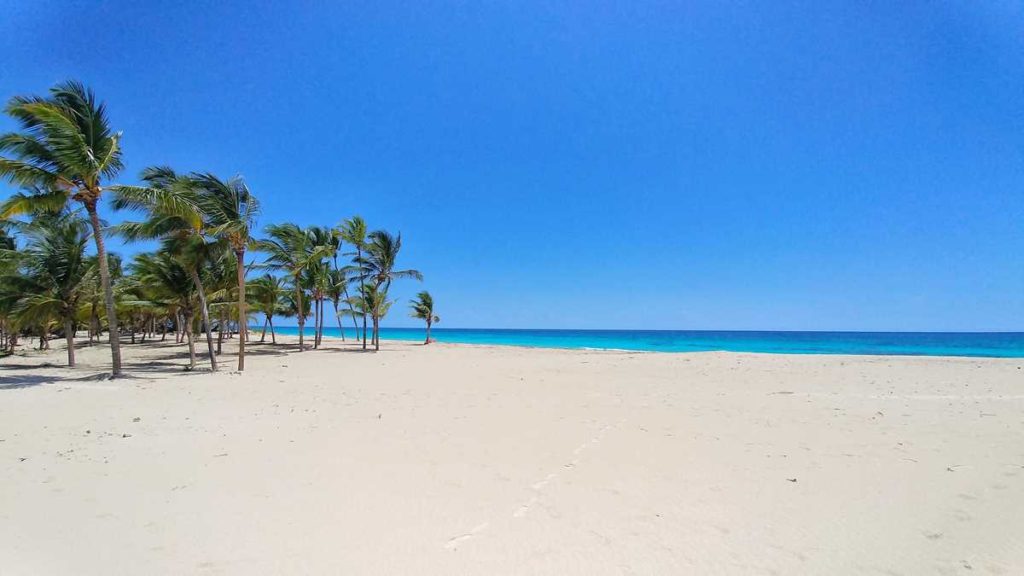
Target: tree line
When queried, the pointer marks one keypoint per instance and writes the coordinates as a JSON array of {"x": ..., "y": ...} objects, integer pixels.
[{"x": 64, "y": 159}]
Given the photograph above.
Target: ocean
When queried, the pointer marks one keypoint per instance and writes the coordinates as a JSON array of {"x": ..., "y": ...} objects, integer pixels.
[{"x": 976, "y": 344}]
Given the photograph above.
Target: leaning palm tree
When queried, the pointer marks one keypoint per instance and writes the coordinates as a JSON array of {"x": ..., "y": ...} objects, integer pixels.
[
  {"x": 317, "y": 279},
  {"x": 423, "y": 308},
  {"x": 266, "y": 299},
  {"x": 222, "y": 286},
  {"x": 337, "y": 289},
  {"x": 54, "y": 274},
  {"x": 231, "y": 211},
  {"x": 378, "y": 264},
  {"x": 171, "y": 205},
  {"x": 290, "y": 250},
  {"x": 10, "y": 262},
  {"x": 290, "y": 306},
  {"x": 166, "y": 280},
  {"x": 319, "y": 274},
  {"x": 354, "y": 231},
  {"x": 67, "y": 148},
  {"x": 93, "y": 297},
  {"x": 374, "y": 302}
]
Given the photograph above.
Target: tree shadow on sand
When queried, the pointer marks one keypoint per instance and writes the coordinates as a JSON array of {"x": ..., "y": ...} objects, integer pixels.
[
  {"x": 166, "y": 359},
  {"x": 27, "y": 381}
]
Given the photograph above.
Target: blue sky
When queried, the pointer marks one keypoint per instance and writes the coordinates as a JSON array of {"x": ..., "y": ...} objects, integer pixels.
[{"x": 775, "y": 165}]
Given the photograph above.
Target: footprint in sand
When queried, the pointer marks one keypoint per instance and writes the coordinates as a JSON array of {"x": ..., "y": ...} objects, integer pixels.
[{"x": 455, "y": 541}]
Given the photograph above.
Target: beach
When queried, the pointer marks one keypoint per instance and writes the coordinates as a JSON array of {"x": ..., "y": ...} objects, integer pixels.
[{"x": 461, "y": 459}]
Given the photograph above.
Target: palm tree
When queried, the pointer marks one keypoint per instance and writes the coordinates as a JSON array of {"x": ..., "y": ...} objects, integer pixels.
[
  {"x": 378, "y": 264},
  {"x": 290, "y": 250},
  {"x": 319, "y": 274},
  {"x": 354, "y": 232},
  {"x": 423, "y": 308},
  {"x": 221, "y": 282},
  {"x": 54, "y": 275},
  {"x": 290, "y": 306},
  {"x": 67, "y": 148},
  {"x": 93, "y": 296},
  {"x": 231, "y": 211},
  {"x": 171, "y": 204},
  {"x": 266, "y": 299},
  {"x": 10, "y": 261},
  {"x": 167, "y": 281},
  {"x": 373, "y": 301},
  {"x": 337, "y": 291},
  {"x": 317, "y": 278}
]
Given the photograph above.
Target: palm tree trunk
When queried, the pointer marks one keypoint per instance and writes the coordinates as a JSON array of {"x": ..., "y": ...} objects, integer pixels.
[
  {"x": 316, "y": 322},
  {"x": 428, "y": 332},
  {"x": 364, "y": 330},
  {"x": 362, "y": 289},
  {"x": 338, "y": 318},
  {"x": 243, "y": 325},
  {"x": 108, "y": 290},
  {"x": 376, "y": 333},
  {"x": 191, "y": 342},
  {"x": 97, "y": 328},
  {"x": 263, "y": 336},
  {"x": 334, "y": 300},
  {"x": 301, "y": 312},
  {"x": 220, "y": 332},
  {"x": 205, "y": 314},
  {"x": 69, "y": 336},
  {"x": 355, "y": 321},
  {"x": 273, "y": 337},
  {"x": 320, "y": 329}
]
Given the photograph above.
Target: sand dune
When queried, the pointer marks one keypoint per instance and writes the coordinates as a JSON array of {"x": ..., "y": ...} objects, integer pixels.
[{"x": 453, "y": 459}]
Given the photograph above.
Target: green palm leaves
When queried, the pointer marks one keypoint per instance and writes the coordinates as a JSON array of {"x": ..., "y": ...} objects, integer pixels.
[
  {"x": 290, "y": 249},
  {"x": 230, "y": 210},
  {"x": 265, "y": 296},
  {"x": 377, "y": 264},
  {"x": 66, "y": 142},
  {"x": 52, "y": 277},
  {"x": 198, "y": 216},
  {"x": 64, "y": 154},
  {"x": 65, "y": 151},
  {"x": 423, "y": 308}
]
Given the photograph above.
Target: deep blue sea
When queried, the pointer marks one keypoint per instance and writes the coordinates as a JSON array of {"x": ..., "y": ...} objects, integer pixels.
[{"x": 994, "y": 344}]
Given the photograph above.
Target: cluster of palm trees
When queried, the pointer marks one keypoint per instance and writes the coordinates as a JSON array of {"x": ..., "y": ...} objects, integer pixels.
[{"x": 64, "y": 158}]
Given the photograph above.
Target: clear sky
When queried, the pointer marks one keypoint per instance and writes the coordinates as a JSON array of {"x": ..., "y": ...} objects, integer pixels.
[{"x": 740, "y": 165}]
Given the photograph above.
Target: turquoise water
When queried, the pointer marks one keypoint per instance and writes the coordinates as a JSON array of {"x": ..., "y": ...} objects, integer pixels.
[{"x": 994, "y": 344}]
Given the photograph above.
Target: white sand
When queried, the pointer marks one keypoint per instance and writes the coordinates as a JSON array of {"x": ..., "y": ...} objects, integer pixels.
[{"x": 490, "y": 460}]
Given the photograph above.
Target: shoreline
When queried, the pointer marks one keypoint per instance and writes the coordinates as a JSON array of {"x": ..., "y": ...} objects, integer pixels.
[
  {"x": 288, "y": 344},
  {"x": 636, "y": 351}
]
